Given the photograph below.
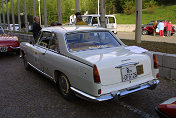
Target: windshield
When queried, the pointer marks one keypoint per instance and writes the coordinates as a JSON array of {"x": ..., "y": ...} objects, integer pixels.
[{"x": 90, "y": 40}]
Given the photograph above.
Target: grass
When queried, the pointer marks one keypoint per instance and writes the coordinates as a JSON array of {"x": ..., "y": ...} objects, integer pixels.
[
  {"x": 157, "y": 13},
  {"x": 154, "y": 46}
]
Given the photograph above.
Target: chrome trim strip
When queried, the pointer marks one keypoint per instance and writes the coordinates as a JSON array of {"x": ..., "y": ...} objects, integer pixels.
[
  {"x": 15, "y": 48},
  {"x": 40, "y": 71},
  {"x": 82, "y": 93},
  {"x": 116, "y": 93},
  {"x": 127, "y": 64}
]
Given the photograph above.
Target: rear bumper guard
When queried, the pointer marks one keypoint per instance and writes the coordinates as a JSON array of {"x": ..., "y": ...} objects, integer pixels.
[{"x": 117, "y": 93}]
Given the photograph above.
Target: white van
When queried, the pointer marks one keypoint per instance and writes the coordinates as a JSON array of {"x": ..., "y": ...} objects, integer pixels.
[{"x": 94, "y": 20}]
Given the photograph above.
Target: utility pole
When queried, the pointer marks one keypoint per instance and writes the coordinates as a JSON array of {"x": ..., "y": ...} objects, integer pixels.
[
  {"x": 19, "y": 19},
  {"x": 0, "y": 20},
  {"x": 77, "y": 5},
  {"x": 7, "y": 9},
  {"x": 59, "y": 11},
  {"x": 98, "y": 7},
  {"x": 102, "y": 13},
  {"x": 39, "y": 13},
  {"x": 34, "y": 10},
  {"x": 3, "y": 14},
  {"x": 45, "y": 13},
  {"x": 138, "y": 20},
  {"x": 25, "y": 15},
  {"x": 13, "y": 17}
]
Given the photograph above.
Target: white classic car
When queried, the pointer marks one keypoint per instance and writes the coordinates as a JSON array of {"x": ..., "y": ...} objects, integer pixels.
[{"x": 90, "y": 62}]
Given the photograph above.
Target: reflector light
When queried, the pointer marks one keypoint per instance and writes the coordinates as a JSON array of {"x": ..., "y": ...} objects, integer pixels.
[
  {"x": 96, "y": 74},
  {"x": 155, "y": 61},
  {"x": 99, "y": 91}
]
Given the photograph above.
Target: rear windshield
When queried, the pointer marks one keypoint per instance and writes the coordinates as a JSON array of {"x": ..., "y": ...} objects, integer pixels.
[{"x": 81, "y": 41}]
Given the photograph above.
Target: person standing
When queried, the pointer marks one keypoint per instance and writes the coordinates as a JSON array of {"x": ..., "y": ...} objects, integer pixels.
[
  {"x": 161, "y": 28},
  {"x": 165, "y": 27},
  {"x": 36, "y": 28},
  {"x": 169, "y": 29},
  {"x": 79, "y": 20},
  {"x": 155, "y": 25}
]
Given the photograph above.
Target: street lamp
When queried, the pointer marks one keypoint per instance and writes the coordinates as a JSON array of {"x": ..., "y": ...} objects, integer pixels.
[{"x": 39, "y": 12}]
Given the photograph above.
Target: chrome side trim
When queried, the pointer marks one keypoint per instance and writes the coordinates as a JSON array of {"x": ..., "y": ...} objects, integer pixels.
[
  {"x": 41, "y": 71},
  {"x": 127, "y": 64},
  {"x": 15, "y": 48},
  {"x": 116, "y": 93},
  {"x": 82, "y": 93}
]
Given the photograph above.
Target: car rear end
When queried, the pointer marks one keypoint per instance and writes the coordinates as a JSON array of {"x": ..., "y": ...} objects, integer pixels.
[
  {"x": 9, "y": 44},
  {"x": 118, "y": 78},
  {"x": 111, "y": 23}
]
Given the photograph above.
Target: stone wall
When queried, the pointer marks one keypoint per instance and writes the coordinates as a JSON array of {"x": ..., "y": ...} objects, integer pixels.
[{"x": 167, "y": 65}]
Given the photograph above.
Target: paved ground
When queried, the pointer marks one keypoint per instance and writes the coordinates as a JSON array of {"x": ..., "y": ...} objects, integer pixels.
[
  {"x": 131, "y": 35},
  {"x": 26, "y": 94}
]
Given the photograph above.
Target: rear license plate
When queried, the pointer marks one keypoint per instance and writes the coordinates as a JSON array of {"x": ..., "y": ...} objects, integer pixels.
[
  {"x": 129, "y": 73},
  {"x": 3, "y": 49}
]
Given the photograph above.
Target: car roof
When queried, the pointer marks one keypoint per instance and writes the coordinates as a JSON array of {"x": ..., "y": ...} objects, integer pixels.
[{"x": 73, "y": 28}]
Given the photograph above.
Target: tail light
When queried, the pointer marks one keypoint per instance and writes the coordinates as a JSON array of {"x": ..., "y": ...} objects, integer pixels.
[
  {"x": 96, "y": 74},
  {"x": 155, "y": 61}
]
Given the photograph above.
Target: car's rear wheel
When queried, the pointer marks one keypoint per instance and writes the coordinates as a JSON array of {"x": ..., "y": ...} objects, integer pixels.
[
  {"x": 64, "y": 87},
  {"x": 26, "y": 65},
  {"x": 144, "y": 32}
]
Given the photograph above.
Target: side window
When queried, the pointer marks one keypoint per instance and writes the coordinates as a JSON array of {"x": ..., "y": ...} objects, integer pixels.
[
  {"x": 44, "y": 39},
  {"x": 111, "y": 20},
  {"x": 94, "y": 20},
  {"x": 53, "y": 43}
]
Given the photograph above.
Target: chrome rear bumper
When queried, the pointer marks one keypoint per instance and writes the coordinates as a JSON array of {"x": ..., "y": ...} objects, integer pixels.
[
  {"x": 149, "y": 84},
  {"x": 15, "y": 48}
]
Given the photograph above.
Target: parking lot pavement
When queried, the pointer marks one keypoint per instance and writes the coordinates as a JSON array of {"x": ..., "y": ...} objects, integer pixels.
[
  {"x": 26, "y": 94},
  {"x": 131, "y": 35}
]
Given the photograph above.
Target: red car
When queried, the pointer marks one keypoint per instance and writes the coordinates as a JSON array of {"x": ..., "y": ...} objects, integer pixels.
[
  {"x": 148, "y": 28},
  {"x": 9, "y": 43},
  {"x": 167, "y": 109}
]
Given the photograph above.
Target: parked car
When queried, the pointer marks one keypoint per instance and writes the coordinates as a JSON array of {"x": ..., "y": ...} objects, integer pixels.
[
  {"x": 90, "y": 62},
  {"x": 8, "y": 42},
  {"x": 94, "y": 20},
  {"x": 16, "y": 27},
  {"x": 148, "y": 28},
  {"x": 167, "y": 109}
]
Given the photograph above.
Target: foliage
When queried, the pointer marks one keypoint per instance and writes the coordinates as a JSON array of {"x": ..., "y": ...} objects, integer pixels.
[
  {"x": 161, "y": 13},
  {"x": 129, "y": 7},
  {"x": 68, "y": 8},
  {"x": 150, "y": 4}
]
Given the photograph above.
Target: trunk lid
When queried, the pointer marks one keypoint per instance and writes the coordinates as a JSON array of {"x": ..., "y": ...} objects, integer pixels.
[{"x": 108, "y": 62}]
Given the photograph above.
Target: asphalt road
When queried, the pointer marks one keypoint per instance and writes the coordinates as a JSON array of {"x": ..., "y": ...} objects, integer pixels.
[{"x": 26, "y": 94}]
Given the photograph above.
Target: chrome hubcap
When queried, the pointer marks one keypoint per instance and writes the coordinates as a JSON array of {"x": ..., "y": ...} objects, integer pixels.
[{"x": 64, "y": 85}]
